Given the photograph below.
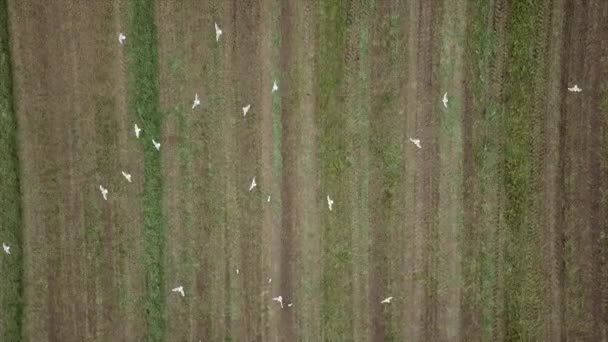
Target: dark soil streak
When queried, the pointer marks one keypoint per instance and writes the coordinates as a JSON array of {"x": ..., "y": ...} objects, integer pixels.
[
  {"x": 246, "y": 61},
  {"x": 378, "y": 281},
  {"x": 384, "y": 119},
  {"x": 289, "y": 151},
  {"x": 429, "y": 94},
  {"x": 564, "y": 202},
  {"x": 593, "y": 74},
  {"x": 573, "y": 146}
]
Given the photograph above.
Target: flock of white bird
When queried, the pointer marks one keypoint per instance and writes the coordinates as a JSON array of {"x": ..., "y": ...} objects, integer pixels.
[{"x": 137, "y": 130}]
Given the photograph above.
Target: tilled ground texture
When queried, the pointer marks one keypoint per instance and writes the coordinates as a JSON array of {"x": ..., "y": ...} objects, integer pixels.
[{"x": 496, "y": 228}]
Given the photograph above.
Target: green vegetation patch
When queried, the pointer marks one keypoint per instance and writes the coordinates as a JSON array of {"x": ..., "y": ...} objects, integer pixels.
[
  {"x": 335, "y": 315},
  {"x": 481, "y": 51},
  {"x": 523, "y": 292},
  {"x": 143, "y": 66},
  {"x": 386, "y": 57},
  {"x": 11, "y": 285}
]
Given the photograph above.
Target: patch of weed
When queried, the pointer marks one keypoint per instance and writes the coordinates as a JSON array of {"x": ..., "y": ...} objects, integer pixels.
[
  {"x": 11, "y": 285},
  {"x": 143, "y": 65}
]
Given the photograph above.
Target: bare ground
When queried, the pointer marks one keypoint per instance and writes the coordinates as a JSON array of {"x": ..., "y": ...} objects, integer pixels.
[
  {"x": 300, "y": 173},
  {"x": 580, "y": 148},
  {"x": 411, "y": 289},
  {"x": 550, "y": 168},
  {"x": 67, "y": 112},
  {"x": 299, "y": 186}
]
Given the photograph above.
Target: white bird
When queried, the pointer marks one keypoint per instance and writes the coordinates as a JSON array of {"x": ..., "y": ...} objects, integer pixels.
[
  {"x": 416, "y": 142},
  {"x": 218, "y": 33},
  {"x": 575, "y": 89},
  {"x": 180, "y": 290},
  {"x": 7, "y": 248},
  {"x": 196, "y": 102},
  {"x": 253, "y": 184},
  {"x": 268, "y": 200},
  {"x": 137, "y": 130},
  {"x": 279, "y": 299},
  {"x": 269, "y": 280},
  {"x": 387, "y": 300},
  {"x": 445, "y": 100},
  {"x": 237, "y": 271},
  {"x": 156, "y": 145},
  {"x": 275, "y": 86},
  {"x": 246, "y": 109},
  {"x": 127, "y": 176},
  {"x": 289, "y": 305},
  {"x": 104, "y": 192},
  {"x": 330, "y": 202},
  {"x": 121, "y": 38}
]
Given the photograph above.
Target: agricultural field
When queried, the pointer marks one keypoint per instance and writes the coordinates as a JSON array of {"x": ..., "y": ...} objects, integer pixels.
[{"x": 495, "y": 228}]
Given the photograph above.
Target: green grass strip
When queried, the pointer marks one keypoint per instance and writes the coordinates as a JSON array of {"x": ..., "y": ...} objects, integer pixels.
[
  {"x": 480, "y": 51},
  {"x": 144, "y": 69},
  {"x": 11, "y": 285},
  {"x": 337, "y": 256},
  {"x": 522, "y": 257}
]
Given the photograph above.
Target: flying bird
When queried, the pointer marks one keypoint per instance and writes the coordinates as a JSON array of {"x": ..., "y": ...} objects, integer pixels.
[
  {"x": 156, "y": 145},
  {"x": 196, "y": 102},
  {"x": 330, "y": 202},
  {"x": 104, "y": 192},
  {"x": 445, "y": 100},
  {"x": 127, "y": 176},
  {"x": 121, "y": 38},
  {"x": 279, "y": 299},
  {"x": 137, "y": 130},
  {"x": 275, "y": 87},
  {"x": 575, "y": 89},
  {"x": 246, "y": 109},
  {"x": 416, "y": 142},
  {"x": 218, "y": 33},
  {"x": 253, "y": 184},
  {"x": 180, "y": 290},
  {"x": 7, "y": 248},
  {"x": 387, "y": 300}
]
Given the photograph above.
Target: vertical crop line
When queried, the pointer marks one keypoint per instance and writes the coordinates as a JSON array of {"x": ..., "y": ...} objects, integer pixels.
[
  {"x": 144, "y": 88},
  {"x": 11, "y": 285}
]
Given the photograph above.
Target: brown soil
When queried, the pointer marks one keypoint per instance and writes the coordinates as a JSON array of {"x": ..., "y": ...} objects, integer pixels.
[
  {"x": 292, "y": 204},
  {"x": 580, "y": 153},
  {"x": 246, "y": 72},
  {"x": 428, "y": 172},
  {"x": 411, "y": 287},
  {"x": 580, "y": 174},
  {"x": 64, "y": 90}
]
